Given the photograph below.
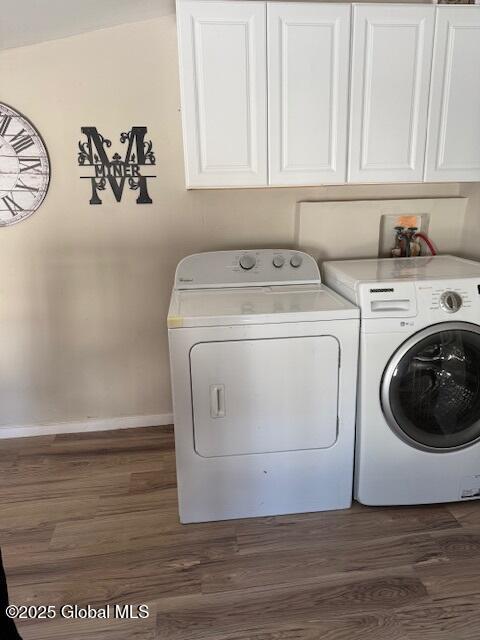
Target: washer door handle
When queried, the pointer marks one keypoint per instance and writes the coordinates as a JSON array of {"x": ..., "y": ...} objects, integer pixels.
[{"x": 217, "y": 400}]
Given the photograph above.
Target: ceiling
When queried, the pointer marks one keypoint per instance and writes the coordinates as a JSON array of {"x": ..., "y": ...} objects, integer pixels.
[{"x": 25, "y": 22}]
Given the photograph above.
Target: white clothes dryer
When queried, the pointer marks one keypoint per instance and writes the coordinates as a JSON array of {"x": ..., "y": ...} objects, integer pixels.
[
  {"x": 418, "y": 412},
  {"x": 264, "y": 364}
]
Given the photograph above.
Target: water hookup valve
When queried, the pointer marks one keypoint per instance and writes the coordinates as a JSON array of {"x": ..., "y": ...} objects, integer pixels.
[{"x": 410, "y": 242}]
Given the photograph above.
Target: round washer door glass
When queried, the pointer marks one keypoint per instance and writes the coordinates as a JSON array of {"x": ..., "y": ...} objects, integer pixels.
[
  {"x": 24, "y": 167},
  {"x": 431, "y": 387}
]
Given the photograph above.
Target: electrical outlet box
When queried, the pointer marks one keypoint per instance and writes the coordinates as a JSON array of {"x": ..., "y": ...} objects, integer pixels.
[{"x": 388, "y": 222}]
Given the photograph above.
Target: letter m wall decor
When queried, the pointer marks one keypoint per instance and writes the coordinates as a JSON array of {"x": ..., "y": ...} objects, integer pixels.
[{"x": 116, "y": 171}]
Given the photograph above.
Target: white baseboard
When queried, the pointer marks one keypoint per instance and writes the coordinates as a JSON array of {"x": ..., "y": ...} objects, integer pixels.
[{"x": 91, "y": 424}]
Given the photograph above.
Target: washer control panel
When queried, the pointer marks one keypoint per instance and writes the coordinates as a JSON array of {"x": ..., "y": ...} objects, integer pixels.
[
  {"x": 451, "y": 301},
  {"x": 409, "y": 305},
  {"x": 257, "y": 267},
  {"x": 452, "y": 297}
]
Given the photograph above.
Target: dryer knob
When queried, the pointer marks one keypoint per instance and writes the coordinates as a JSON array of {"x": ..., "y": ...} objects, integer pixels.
[
  {"x": 296, "y": 260},
  {"x": 247, "y": 261},
  {"x": 451, "y": 301},
  {"x": 278, "y": 261}
]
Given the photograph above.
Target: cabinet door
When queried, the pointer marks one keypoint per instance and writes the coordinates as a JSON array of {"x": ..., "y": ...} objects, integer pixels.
[
  {"x": 223, "y": 76},
  {"x": 392, "y": 53},
  {"x": 453, "y": 148},
  {"x": 308, "y": 78}
]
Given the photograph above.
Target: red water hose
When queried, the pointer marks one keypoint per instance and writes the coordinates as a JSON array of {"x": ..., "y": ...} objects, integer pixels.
[{"x": 427, "y": 241}]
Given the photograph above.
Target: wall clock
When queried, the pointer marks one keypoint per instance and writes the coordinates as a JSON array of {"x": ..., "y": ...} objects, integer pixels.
[{"x": 24, "y": 167}]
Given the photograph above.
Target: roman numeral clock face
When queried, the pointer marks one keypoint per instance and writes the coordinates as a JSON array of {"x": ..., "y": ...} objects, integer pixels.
[{"x": 24, "y": 167}]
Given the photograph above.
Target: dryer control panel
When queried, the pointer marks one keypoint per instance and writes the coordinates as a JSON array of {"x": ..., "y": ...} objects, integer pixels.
[{"x": 256, "y": 267}]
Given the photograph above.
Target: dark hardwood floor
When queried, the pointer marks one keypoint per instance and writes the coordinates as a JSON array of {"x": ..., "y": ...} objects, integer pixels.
[{"x": 92, "y": 519}]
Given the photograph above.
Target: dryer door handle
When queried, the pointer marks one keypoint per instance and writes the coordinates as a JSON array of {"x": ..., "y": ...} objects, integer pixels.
[{"x": 217, "y": 400}]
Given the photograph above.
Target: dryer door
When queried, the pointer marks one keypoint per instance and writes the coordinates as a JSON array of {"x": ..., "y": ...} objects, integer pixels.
[
  {"x": 267, "y": 395},
  {"x": 430, "y": 390}
]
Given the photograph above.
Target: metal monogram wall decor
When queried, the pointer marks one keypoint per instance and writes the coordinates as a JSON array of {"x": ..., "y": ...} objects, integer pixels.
[
  {"x": 24, "y": 167},
  {"x": 116, "y": 171}
]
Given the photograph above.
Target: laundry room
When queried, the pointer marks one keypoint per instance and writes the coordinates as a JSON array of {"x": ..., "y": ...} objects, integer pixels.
[{"x": 240, "y": 258}]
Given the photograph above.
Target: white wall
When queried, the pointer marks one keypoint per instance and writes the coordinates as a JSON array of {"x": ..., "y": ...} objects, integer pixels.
[
  {"x": 471, "y": 230},
  {"x": 84, "y": 290}
]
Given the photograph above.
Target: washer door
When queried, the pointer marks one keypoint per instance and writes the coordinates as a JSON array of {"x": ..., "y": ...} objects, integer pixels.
[{"x": 430, "y": 391}]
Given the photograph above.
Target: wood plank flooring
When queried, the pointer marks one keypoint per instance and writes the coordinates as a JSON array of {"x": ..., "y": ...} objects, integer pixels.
[{"x": 92, "y": 519}]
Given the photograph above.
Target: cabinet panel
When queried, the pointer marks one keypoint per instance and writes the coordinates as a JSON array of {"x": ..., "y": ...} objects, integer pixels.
[
  {"x": 391, "y": 64},
  {"x": 308, "y": 75},
  {"x": 453, "y": 148},
  {"x": 222, "y": 48}
]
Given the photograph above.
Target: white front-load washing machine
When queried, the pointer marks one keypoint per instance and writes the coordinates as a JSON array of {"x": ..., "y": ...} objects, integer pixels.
[
  {"x": 264, "y": 365},
  {"x": 418, "y": 411}
]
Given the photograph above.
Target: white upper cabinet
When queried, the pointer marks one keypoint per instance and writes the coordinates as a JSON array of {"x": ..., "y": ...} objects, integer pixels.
[
  {"x": 223, "y": 71},
  {"x": 391, "y": 64},
  {"x": 453, "y": 148},
  {"x": 356, "y": 93},
  {"x": 308, "y": 82}
]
